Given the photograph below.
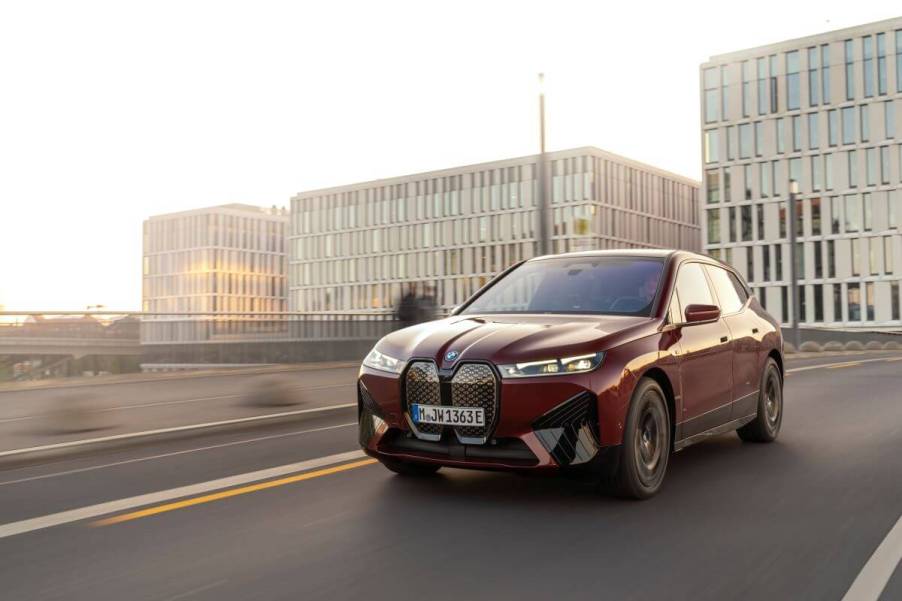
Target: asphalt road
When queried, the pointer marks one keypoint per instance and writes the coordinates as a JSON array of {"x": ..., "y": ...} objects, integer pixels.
[{"x": 798, "y": 519}]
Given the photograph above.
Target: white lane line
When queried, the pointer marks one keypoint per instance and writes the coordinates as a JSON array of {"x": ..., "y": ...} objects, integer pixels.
[
  {"x": 876, "y": 573},
  {"x": 120, "y": 505},
  {"x": 199, "y": 589},
  {"x": 822, "y": 365},
  {"x": 132, "y": 435},
  {"x": 175, "y": 453}
]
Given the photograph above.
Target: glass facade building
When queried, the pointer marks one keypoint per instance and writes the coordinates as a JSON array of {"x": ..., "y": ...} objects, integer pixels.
[
  {"x": 229, "y": 258},
  {"x": 822, "y": 111},
  {"x": 355, "y": 247}
]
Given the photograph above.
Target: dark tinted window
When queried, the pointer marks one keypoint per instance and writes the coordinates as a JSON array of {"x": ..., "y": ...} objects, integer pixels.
[
  {"x": 692, "y": 286},
  {"x": 606, "y": 285},
  {"x": 726, "y": 287}
]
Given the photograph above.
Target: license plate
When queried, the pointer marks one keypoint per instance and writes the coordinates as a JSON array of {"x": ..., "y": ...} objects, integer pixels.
[{"x": 447, "y": 416}]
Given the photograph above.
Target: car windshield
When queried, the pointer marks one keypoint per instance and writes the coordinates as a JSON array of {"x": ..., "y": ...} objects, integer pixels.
[{"x": 602, "y": 285}]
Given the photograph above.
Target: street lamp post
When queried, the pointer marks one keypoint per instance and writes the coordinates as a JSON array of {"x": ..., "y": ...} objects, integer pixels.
[
  {"x": 793, "y": 258},
  {"x": 542, "y": 175}
]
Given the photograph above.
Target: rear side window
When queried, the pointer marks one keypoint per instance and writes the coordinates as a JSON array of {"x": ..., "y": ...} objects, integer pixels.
[
  {"x": 725, "y": 285},
  {"x": 692, "y": 286}
]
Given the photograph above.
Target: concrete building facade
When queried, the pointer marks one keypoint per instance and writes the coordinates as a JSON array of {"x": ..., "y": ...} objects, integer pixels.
[
  {"x": 228, "y": 258},
  {"x": 823, "y": 111},
  {"x": 355, "y": 247}
]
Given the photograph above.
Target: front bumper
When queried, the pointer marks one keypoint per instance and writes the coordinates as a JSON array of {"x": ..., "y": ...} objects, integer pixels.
[{"x": 544, "y": 425}]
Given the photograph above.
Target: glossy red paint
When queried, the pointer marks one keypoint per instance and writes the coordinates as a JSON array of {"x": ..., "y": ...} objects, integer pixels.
[{"x": 710, "y": 370}]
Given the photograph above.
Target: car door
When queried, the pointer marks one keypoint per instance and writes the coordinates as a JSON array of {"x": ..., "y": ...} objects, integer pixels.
[
  {"x": 743, "y": 324},
  {"x": 705, "y": 357}
]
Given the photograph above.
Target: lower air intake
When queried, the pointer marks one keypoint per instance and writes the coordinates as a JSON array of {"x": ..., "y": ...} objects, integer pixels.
[{"x": 568, "y": 432}]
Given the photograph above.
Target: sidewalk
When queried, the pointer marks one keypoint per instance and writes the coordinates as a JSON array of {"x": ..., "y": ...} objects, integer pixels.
[{"x": 127, "y": 408}]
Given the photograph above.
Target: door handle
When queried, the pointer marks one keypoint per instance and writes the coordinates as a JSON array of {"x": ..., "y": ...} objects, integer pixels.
[
  {"x": 754, "y": 330},
  {"x": 723, "y": 338}
]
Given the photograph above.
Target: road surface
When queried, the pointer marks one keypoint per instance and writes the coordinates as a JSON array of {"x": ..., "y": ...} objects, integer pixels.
[{"x": 798, "y": 519}]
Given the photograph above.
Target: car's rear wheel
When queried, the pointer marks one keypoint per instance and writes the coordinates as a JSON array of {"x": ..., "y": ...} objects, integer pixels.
[
  {"x": 646, "y": 443},
  {"x": 405, "y": 468},
  {"x": 766, "y": 425}
]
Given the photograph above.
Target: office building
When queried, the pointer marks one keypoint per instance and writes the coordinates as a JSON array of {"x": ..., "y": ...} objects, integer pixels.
[
  {"x": 355, "y": 247},
  {"x": 822, "y": 111},
  {"x": 228, "y": 258}
]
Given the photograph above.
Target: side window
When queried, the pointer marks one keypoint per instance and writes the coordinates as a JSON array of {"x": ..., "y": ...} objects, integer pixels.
[
  {"x": 741, "y": 290},
  {"x": 730, "y": 301},
  {"x": 692, "y": 287},
  {"x": 673, "y": 311}
]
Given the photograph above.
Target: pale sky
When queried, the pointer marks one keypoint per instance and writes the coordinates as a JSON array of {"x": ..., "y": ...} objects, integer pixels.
[{"x": 114, "y": 111}]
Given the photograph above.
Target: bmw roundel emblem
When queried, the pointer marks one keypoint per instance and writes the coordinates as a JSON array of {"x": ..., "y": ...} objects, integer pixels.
[{"x": 451, "y": 355}]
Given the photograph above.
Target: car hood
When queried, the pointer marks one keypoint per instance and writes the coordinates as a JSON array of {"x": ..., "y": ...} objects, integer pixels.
[{"x": 505, "y": 339}]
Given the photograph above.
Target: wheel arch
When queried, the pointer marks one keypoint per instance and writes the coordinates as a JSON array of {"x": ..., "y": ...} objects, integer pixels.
[
  {"x": 660, "y": 377},
  {"x": 778, "y": 359}
]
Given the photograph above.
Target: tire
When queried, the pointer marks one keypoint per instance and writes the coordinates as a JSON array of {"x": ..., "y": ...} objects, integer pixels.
[
  {"x": 646, "y": 444},
  {"x": 408, "y": 469},
  {"x": 766, "y": 425}
]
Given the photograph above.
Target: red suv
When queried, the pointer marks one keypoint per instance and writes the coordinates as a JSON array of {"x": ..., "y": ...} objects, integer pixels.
[{"x": 596, "y": 364}]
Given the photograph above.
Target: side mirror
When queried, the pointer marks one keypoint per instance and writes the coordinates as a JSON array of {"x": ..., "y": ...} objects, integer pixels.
[{"x": 702, "y": 314}]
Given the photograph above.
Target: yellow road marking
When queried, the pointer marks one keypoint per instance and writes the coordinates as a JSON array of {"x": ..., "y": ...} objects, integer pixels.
[
  {"x": 893, "y": 359},
  {"x": 233, "y": 492},
  {"x": 841, "y": 365}
]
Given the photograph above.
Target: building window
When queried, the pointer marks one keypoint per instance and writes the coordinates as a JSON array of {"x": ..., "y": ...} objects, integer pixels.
[
  {"x": 818, "y": 261},
  {"x": 774, "y": 94},
  {"x": 816, "y": 174},
  {"x": 869, "y": 293},
  {"x": 782, "y": 218},
  {"x": 867, "y": 65},
  {"x": 713, "y": 226},
  {"x": 747, "y": 181},
  {"x": 712, "y": 101},
  {"x": 764, "y": 179},
  {"x": 813, "y": 142},
  {"x": 825, "y": 73},
  {"x": 899, "y": 60},
  {"x": 778, "y": 262},
  {"x": 781, "y": 136},
  {"x": 784, "y": 305},
  {"x": 750, "y": 263},
  {"x": 724, "y": 81},
  {"x": 894, "y": 296},
  {"x": 759, "y": 210},
  {"x": 868, "y": 213},
  {"x": 888, "y": 255},
  {"x": 870, "y": 164},
  {"x": 881, "y": 63},
  {"x": 852, "y": 168},
  {"x": 732, "y": 224},
  {"x": 831, "y": 259},
  {"x": 761, "y": 65},
  {"x": 832, "y": 128},
  {"x": 848, "y": 125},
  {"x": 828, "y": 172},
  {"x": 815, "y": 216},
  {"x": 729, "y": 141},
  {"x": 765, "y": 263},
  {"x": 849, "y": 53},
  {"x": 711, "y": 150},
  {"x": 893, "y": 212},
  {"x": 745, "y": 141},
  {"x": 889, "y": 119},
  {"x": 853, "y": 301},
  {"x": 852, "y": 212},
  {"x": 818, "y": 303},
  {"x": 837, "y": 302},
  {"x": 793, "y": 93},
  {"x": 712, "y": 185},
  {"x": 795, "y": 170},
  {"x": 864, "y": 113},
  {"x": 796, "y": 133},
  {"x": 759, "y": 138},
  {"x": 746, "y": 89},
  {"x": 813, "y": 84},
  {"x": 746, "y": 211},
  {"x": 856, "y": 256}
]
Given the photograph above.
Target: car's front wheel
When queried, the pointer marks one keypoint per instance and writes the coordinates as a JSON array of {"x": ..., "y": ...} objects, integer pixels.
[
  {"x": 646, "y": 443},
  {"x": 405, "y": 468},
  {"x": 766, "y": 425}
]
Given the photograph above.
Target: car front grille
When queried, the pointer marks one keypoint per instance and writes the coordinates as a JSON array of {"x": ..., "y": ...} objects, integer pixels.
[
  {"x": 474, "y": 385},
  {"x": 422, "y": 386},
  {"x": 471, "y": 385}
]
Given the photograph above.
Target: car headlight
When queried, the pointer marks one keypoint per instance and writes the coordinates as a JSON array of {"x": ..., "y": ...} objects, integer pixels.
[
  {"x": 552, "y": 367},
  {"x": 383, "y": 362}
]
